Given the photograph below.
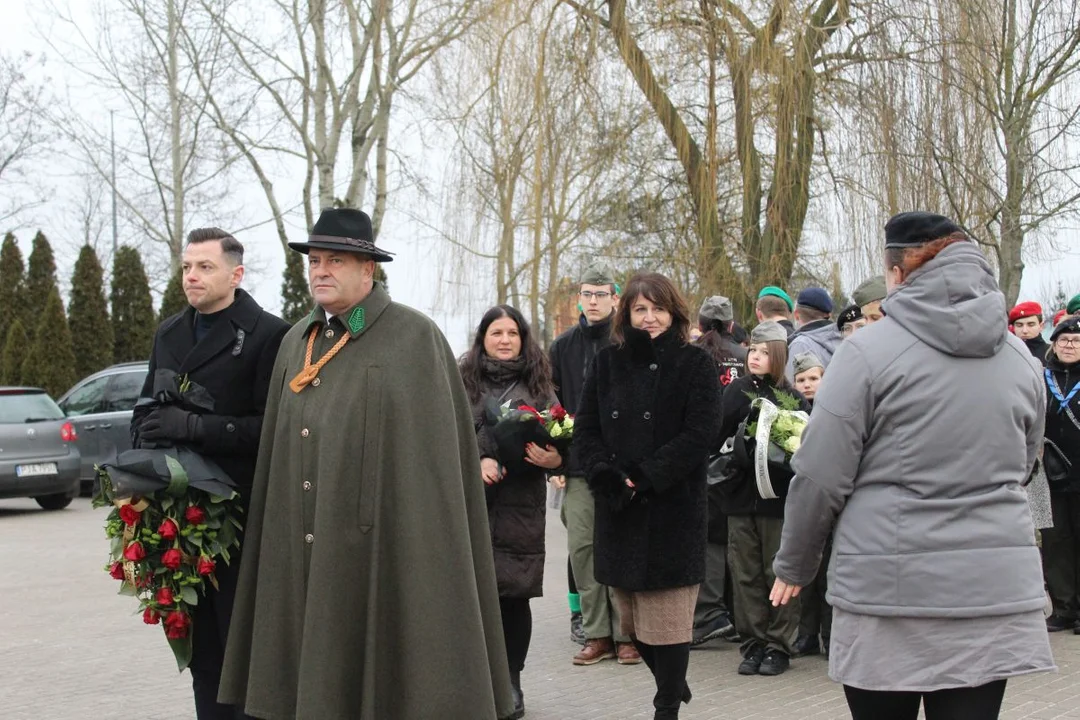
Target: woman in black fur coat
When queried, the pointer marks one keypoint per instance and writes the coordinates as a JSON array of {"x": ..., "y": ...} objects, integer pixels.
[{"x": 648, "y": 418}]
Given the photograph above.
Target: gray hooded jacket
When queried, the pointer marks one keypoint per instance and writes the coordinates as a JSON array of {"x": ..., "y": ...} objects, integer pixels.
[
  {"x": 820, "y": 337},
  {"x": 923, "y": 430}
]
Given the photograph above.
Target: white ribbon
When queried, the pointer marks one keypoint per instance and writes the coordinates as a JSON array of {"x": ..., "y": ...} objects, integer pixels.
[{"x": 766, "y": 417}]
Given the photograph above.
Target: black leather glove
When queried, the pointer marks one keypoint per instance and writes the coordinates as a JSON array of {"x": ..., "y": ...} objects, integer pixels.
[{"x": 170, "y": 423}]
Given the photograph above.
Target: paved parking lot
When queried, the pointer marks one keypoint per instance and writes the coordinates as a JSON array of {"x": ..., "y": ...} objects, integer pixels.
[{"x": 72, "y": 648}]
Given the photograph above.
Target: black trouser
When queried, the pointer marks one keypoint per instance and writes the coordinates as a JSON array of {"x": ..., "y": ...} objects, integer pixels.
[
  {"x": 977, "y": 703},
  {"x": 210, "y": 621},
  {"x": 517, "y": 630},
  {"x": 1061, "y": 555},
  {"x": 816, "y": 617}
]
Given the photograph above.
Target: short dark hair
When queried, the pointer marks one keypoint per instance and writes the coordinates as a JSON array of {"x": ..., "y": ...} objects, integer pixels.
[
  {"x": 660, "y": 291},
  {"x": 771, "y": 306},
  {"x": 230, "y": 246},
  {"x": 810, "y": 314}
]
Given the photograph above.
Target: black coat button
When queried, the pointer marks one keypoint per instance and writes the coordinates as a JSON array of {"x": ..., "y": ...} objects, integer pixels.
[
  {"x": 230, "y": 427},
  {"x": 648, "y": 416},
  {"x": 614, "y": 413},
  {"x": 653, "y": 366}
]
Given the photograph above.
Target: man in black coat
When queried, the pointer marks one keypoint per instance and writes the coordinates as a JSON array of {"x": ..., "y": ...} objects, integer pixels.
[
  {"x": 571, "y": 354},
  {"x": 227, "y": 344}
]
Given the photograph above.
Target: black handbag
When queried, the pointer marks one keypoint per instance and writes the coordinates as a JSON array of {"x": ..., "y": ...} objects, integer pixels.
[
  {"x": 718, "y": 468},
  {"x": 1055, "y": 464}
]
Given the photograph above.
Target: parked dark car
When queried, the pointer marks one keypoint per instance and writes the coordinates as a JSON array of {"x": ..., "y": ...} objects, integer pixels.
[
  {"x": 38, "y": 456},
  {"x": 100, "y": 406}
]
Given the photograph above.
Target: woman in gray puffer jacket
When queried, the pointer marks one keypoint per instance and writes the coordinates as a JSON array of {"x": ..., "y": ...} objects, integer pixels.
[{"x": 923, "y": 432}]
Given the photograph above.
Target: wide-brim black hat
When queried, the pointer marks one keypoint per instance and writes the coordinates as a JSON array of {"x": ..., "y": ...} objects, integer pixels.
[{"x": 346, "y": 230}]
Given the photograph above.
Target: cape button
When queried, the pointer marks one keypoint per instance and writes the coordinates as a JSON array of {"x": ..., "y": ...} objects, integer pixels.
[
  {"x": 316, "y": 382},
  {"x": 329, "y": 332},
  {"x": 309, "y": 538},
  {"x": 307, "y": 485},
  {"x": 305, "y": 432}
]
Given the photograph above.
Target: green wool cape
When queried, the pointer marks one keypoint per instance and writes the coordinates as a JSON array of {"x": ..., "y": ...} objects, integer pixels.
[{"x": 367, "y": 587}]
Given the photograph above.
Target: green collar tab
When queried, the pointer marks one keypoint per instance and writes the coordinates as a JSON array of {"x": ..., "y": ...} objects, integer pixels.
[{"x": 356, "y": 320}]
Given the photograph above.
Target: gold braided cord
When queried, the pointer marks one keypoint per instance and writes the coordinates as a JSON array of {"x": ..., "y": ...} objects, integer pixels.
[{"x": 305, "y": 376}]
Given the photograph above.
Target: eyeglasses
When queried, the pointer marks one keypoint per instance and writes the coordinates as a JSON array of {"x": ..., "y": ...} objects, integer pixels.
[
  {"x": 1068, "y": 342},
  {"x": 589, "y": 295}
]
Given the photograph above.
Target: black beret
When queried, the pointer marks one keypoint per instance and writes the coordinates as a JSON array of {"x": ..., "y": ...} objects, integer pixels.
[
  {"x": 1070, "y": 325},
  {"x": 912, "y": 229},
  {"x": 849, "y": 314}
]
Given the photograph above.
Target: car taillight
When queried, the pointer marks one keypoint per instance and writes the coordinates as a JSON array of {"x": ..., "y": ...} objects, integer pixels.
[{"x": 67, "y": 433}]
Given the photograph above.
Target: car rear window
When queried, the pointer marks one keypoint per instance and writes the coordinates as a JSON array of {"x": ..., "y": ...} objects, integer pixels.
[{"x": 20, "y": 406}]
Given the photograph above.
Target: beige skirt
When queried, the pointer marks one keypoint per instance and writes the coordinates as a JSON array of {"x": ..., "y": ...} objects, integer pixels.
[{"x": 657, "y": 617}]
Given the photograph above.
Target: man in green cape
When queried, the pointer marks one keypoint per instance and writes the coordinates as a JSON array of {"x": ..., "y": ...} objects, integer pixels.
[{"x": 367, "y": 587}]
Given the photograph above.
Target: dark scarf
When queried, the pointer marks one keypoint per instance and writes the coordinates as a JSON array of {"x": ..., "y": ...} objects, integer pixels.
[
  {"x": 502, "y": 372},
  {"x": 599, "y": 330}
]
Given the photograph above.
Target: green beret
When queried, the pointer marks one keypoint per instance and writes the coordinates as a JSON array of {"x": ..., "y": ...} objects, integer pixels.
[
  {"x": 778, "y": 292},
  {"x": 1074, "y": 305},
  {"x": 871, "y": 290}
]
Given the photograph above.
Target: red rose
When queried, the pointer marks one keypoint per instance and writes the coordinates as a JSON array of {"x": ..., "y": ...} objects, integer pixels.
[
  {"x": 164, "y": 596},
  {"x": 117, "y": 571},
  {"x": 134, "y": 552},
  {"x": 172, "y": 559},
  {"x": 167, "y": 529},
  {"x": 177, "y": 625},
  {"x": 195, "y": 515},
  {"x": 531, "y": 409},
  {"x": 129, "y": 515},
  {"x": 150, "y": 616},
  {"x": 205, "y": 566},
  {"x": 558, "y": 412}
]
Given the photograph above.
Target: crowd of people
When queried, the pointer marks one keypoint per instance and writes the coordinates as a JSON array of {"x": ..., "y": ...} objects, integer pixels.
[{"x": 384, "y": 507}]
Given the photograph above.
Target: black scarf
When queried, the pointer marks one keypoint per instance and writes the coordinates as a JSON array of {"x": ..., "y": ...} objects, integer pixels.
[{"x": 502, "y": 372}]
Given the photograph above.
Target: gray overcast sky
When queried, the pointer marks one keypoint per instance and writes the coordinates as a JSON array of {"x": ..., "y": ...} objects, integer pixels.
[{"x": 413, "y": 277}]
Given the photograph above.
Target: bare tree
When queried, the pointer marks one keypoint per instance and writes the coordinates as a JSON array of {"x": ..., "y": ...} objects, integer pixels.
[
  {"x": 315, "y": 82},
  {"x": 23, "y": 139},
  {"x": 169, "y": 168},
  {"x": 541, "y": 141}
]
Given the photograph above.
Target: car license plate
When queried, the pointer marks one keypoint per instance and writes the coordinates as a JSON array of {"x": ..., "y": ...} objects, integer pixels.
[{"x": 36, "y": 469}]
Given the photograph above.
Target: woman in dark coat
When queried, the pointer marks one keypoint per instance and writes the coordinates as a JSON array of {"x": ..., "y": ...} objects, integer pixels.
[
  {"x": 1061, "y": 543},
  {"x": 505, "y": 365},
  {"x": 646, "y": 423}
]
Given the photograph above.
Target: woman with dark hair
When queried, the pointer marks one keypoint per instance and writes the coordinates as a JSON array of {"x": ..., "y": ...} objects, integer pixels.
[
  {"x": 645, "y": 426},
  {"x": 1061, "y": 465},
  {"x": 505, "y": 365},
  {"x": 924, "y": 430},
  {"x": 755, "y": 523}
]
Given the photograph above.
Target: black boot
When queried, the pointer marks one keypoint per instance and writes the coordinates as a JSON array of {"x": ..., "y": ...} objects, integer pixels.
[
  {"x": 646, "y": 653},
  {"x": 519, "y": 697},
  {"x": 670, "y": 672}
]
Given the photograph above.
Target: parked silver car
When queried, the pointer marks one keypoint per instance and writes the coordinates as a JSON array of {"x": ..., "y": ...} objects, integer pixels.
[
  {"x": 99, "y": 406},
  {"x": 38, "y": 457}
]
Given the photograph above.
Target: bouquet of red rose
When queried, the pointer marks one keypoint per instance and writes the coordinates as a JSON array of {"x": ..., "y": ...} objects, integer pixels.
[
  {"x": 174, "y": 516},
  {"x": 515, "y": 425}
]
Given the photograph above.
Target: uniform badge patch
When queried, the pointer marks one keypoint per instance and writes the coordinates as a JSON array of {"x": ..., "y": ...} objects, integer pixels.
[{"x": 356, "y": 320}]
